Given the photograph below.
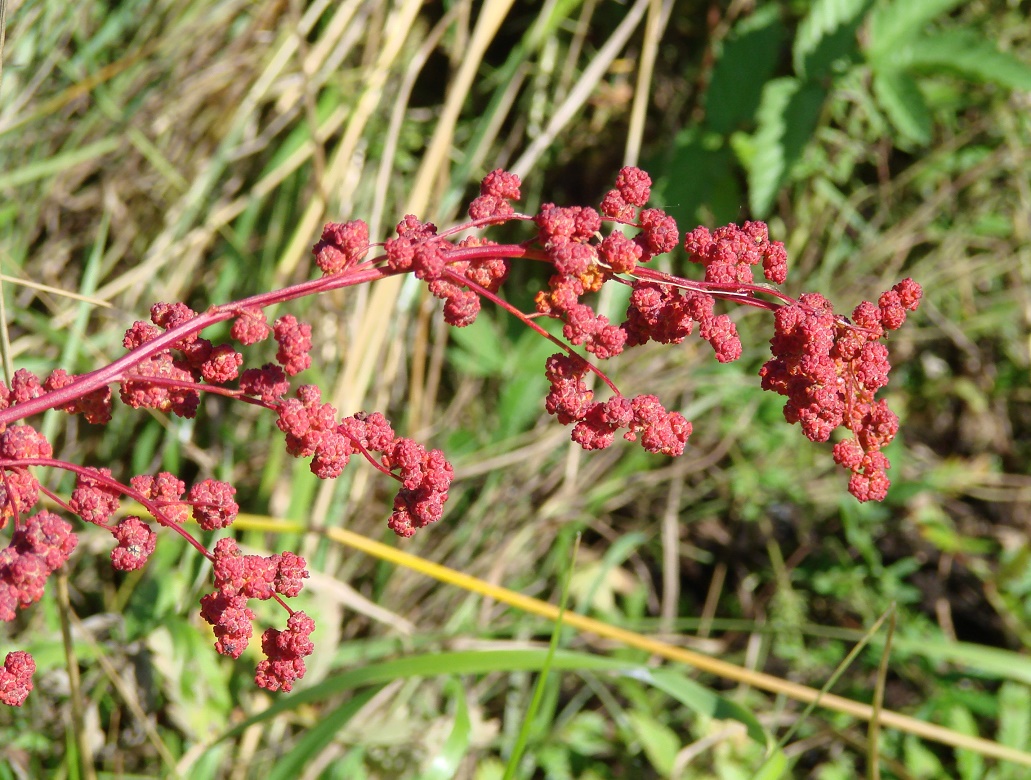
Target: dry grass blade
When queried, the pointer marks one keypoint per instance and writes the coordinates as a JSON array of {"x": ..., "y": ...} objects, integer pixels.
[
  {"x": 581, "y": 91},
  {"x": 74, "y": 296},
  {"x": 873, "y": 763},
  {"x": 654, "y": 26}
]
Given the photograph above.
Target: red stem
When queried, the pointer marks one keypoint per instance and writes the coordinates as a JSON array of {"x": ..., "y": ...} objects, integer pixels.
[
  {"x": 97, "y": 476},
  {"x": 115, "y": 371}
]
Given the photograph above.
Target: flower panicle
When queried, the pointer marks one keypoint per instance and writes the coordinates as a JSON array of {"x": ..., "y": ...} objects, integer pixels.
[{"x": 828, "y": 368}]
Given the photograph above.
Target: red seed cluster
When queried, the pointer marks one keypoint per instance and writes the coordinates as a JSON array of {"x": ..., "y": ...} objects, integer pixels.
[
  {"x": 37, "y": 549},
  {"x": 294, "y": 340},
  {"x": 633, "y": 188},
  {"x": 425, "y": 476},
  {"x": 830, "y": 370},
  {"x": 285, "y": 652},
  {"x": 136, "y": 541},
  {"x": 94, "y": 499},
  {"x": 568, "y": 237},
  {"x": 222, "y": 366},
  {"x": 496, "y": 190},
  {"x": 269, "y": 383},
  {"x": 24, "y": 387},
  {"x": 94, "y": 406},
  {"x": 311, "y": 432},
  {"x": 16, "y": 678},
  {"x": 597, "y": 423},
  {"x": 250, "y": 326},
  {"x": 165, "y": 380},
  {"x": 668, "y": 315},
  {"x": 213, "y": 504},
  {"x": 164, "y": 491},
  {"x": 425, "y": 479},
  {"x": 239, "y": 578},
  {"x": 462, "y": 304},
  {"x": 19, "y": 492},
  {"x": 729, "y": 253},
  {"x": 342, "y": 245},
  {"x": 455, "y": 280},
  {"x": 411, "y": 233},
  {"x": 23, "y": 441}
]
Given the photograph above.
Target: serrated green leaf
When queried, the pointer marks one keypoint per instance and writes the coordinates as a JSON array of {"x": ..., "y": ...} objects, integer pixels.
[
  {"x": 894, "y": 22},
  {"x": 746, "y": 62},
  {"x": 971, "y": 56},
  {"x": 900, "y": 98},
  {"x": 920, "y": 760},
  {"x": 827, "y": 36},
  {"x": 700, "y": 168},
  {"x": 788, "y": 115}
]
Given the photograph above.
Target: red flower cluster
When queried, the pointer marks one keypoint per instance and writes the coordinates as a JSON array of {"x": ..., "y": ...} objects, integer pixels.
[
  {"x": 284, "y": 653},
  {"x": 496, "y": 190},
  {"x": 341, "y": 246},
  {"x": 240, "y": 577},
  {"x": 312, "y": 431},
  {"x": 425, "y": 476},
  {"x": 668, "y": 315},
  {"x": 37, "y": 549},
  {"x": 828, "y": 367},
  {"x": 16, "y": 678},
  {"x": 95, "y": 406},
  {"x": 729, "y": 252},
  {"x": 457, "y": 278},
  {"x": 597, "y": 423}
]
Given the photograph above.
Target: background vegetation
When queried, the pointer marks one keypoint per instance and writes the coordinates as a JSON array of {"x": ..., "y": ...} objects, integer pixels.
[{"x": 156, "y": 150}]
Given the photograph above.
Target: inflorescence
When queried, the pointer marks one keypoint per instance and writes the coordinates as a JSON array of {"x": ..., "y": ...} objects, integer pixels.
[{"x": 828, "y": 367}]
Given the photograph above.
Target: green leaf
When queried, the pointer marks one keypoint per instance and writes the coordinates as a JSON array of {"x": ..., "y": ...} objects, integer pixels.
[
  {"x": 55, "y": 164},
  {"x": 967, "y": 54},
  {"x": 319, "y": 736},
  {"x": 826, "y": 37},
  {"x": 747, "y": 61},
  {"x": 701, "y": 173},
  {"x": 445, "y": 764},
  {"x": 894, "y": 22},
  {"x": 970, "y": 764},
  {"x": 988, "y": 662},
  {"x": 587, "y": 734},
  {"x": 788, "y": 117},
  {"x": 699, "y": 699},
  {"x": 1014, "y": 716},
  {"x": 774, "y": 767},
  {"x": 478, "y": 348},
  {"x": 920, "y": 760},
  {"x": 660, "y": 743},
  {"x": 905, "y": 106},
  {"x": 670, "y": 681}
]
